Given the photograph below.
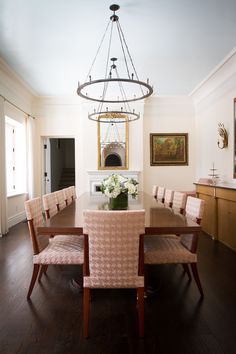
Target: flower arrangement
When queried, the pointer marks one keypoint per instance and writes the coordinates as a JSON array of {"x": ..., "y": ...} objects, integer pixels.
[{"x": 115, "y": 184}]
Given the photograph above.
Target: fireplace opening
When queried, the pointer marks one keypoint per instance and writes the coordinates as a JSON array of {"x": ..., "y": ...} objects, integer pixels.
[{"x": 113, "y": 160}]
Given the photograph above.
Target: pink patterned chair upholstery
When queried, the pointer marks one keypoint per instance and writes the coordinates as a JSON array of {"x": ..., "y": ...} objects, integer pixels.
[
  {"x": 179, "y": 202},
  {"x": 44, "y": 252},
  {"x": 50, "y": 204},
  {"x": 72, "y": 192},
  {"x": 194, "y": 209},
  {"x": 177, "y": 249},
  {"x": 160, "y": 194},
  {"x": 113, "y": 255},
  {"x": 68, "y": 195},
  {"x": 51, "y": 207},
  {"x": 168, "y": 198},
  {"x": 154, "y": 190},
  {"x": 61, "y": 202}
]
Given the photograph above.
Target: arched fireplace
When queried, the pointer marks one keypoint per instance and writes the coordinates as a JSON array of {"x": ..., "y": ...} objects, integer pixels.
[{"x": 113, "y": 160}]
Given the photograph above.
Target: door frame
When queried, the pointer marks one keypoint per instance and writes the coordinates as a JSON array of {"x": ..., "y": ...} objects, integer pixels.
[{"x": 46, "y": 160}]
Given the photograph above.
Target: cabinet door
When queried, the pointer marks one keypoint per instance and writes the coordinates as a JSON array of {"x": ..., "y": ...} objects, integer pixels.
[
  {"x": 209, "y": 220},
  {"x": 227, "y": 222}
]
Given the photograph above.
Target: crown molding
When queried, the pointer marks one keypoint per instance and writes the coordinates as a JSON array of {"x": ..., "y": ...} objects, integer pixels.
[
  {"x": 17, "y": 80},
  {"x": 213, "y": 73}
]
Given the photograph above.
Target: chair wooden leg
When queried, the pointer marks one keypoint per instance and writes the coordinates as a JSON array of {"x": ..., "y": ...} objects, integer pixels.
[
  {"x": 86, "y": 306},
  {"x": 186, "y": 270},
  {"x": 33, "y": 279},
  {"x": 43, "y": 270},
  {"x": 141, "y": 311},
  {"x": 196, "y": 277}
]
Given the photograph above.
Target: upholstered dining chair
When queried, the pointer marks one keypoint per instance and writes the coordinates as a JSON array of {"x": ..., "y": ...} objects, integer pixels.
[
  {"x": 182, "y": 249},
  {"x": 61, "y": 202},
  {"x": 179, "y": 202},
  {"x": 154, "y": 190},
  {"x": 51, "y": 208},
  {"x": 50, "y": 204},
  {"x": 44, "y": 252},
  {"x": 193, "y": 209},
  {"x": 68, "y": 195},
  {"x": 160, "y": 194},
  {"x": 72, "y": 192},
  {"x": 168, "y": 198},
  {"x": 113, "y": 247}
]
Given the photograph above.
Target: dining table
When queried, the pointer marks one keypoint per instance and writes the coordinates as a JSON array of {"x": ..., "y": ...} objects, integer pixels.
[{"x": 159, "y": 218}]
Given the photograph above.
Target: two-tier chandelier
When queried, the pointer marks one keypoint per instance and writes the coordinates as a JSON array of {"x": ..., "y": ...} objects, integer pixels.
[{"x": 116, "y": 91}]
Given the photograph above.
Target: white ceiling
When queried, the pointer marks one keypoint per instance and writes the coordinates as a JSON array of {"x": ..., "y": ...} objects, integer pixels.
[{"x": 175, "y": 43}]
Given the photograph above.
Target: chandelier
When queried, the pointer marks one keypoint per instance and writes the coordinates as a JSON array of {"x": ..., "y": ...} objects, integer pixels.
[{"x": 116, "y": 90}]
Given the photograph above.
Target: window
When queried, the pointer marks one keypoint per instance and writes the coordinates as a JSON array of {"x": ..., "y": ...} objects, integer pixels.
[{"x": 15, "y": 156}]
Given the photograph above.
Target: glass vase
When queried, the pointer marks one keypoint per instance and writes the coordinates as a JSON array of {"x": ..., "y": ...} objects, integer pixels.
[{"x": 120, "y": 202}]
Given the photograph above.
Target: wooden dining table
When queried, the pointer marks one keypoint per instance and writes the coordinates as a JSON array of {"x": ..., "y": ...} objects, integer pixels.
[{"x": 159, "y": 219}]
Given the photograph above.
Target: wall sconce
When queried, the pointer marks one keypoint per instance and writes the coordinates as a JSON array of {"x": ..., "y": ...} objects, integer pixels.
[{"x": 223, "y": 139}]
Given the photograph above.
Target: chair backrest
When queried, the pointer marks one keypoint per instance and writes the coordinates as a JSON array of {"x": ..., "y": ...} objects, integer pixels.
[
  {"x": 194, "y": 208},
  {"x": 160, "y": 194},
  {"x": 72, "y": 192},
  {"x": 169, "y": 195},
  {"x": 179, "y": 201},
  {"x": 50, "y": 204},
  {"x": 113, "y": 243},
  {"x": 60, "y": 199},
  {"x": 34, "y": 215},
  {"x": 154, "y": 190},
  {"x": 67, "y": 195}
]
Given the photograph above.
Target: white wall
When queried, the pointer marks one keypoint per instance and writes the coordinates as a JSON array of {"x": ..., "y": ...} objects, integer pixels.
[
  {"x": 214, "y": 104},
  {"x": 58, "y": 118},
  {"x": 169, "y": 115},
  {"x": 68, "y": 117},
  {"x": 61, "y": 117},
  {"x": 15, "y": 90}
]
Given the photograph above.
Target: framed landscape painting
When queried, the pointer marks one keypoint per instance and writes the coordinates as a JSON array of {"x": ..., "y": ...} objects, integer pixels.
[{"x": 169, "y": 149}]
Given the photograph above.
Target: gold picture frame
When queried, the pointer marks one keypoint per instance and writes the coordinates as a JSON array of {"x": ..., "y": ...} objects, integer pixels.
[{"x": 169, "y": 149}]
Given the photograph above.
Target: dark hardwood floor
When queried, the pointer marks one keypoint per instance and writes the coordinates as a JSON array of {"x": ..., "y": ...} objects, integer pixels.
[{"x": 176, "y": 321}]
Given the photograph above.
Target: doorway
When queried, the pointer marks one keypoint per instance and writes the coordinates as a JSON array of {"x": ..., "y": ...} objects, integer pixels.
[{"x": 59, "y": 163}]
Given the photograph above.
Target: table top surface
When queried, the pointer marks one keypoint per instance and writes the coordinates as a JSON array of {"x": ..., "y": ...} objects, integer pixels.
[{"x": 159, "y": 219}]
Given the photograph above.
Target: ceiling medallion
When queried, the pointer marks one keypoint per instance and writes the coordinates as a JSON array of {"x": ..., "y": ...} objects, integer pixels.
[{"x": 115, "y": 88}]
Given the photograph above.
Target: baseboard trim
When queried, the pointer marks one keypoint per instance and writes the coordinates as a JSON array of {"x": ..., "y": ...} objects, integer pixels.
[{"x": 15, "y": 219}]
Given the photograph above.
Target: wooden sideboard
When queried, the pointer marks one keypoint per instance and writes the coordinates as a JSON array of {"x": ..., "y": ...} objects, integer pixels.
[{"x": 219, "y": 219}]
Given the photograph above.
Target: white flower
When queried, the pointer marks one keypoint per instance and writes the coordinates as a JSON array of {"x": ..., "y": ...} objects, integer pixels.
[
  {"x": 132, "y": 189},
  {"x": 113, "y": 185}
]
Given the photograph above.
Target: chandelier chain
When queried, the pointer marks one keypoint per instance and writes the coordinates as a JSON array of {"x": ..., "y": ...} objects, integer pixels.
[
  {"x": 105, "y": 86},
  {"x": 109, "y": 50},
  {"x": 130, "y": 58},
  {"x": 107, "y": 133},
  {"x": 123, "y": 94},
  {"x": 123, "y": 50},
  {"x": 98, "y": 50}
]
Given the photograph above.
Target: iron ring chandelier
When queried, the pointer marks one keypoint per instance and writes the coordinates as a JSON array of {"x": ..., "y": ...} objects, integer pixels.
[
  {"x": 122, "y": 100},
  {"x": 113, "y": 88}
]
